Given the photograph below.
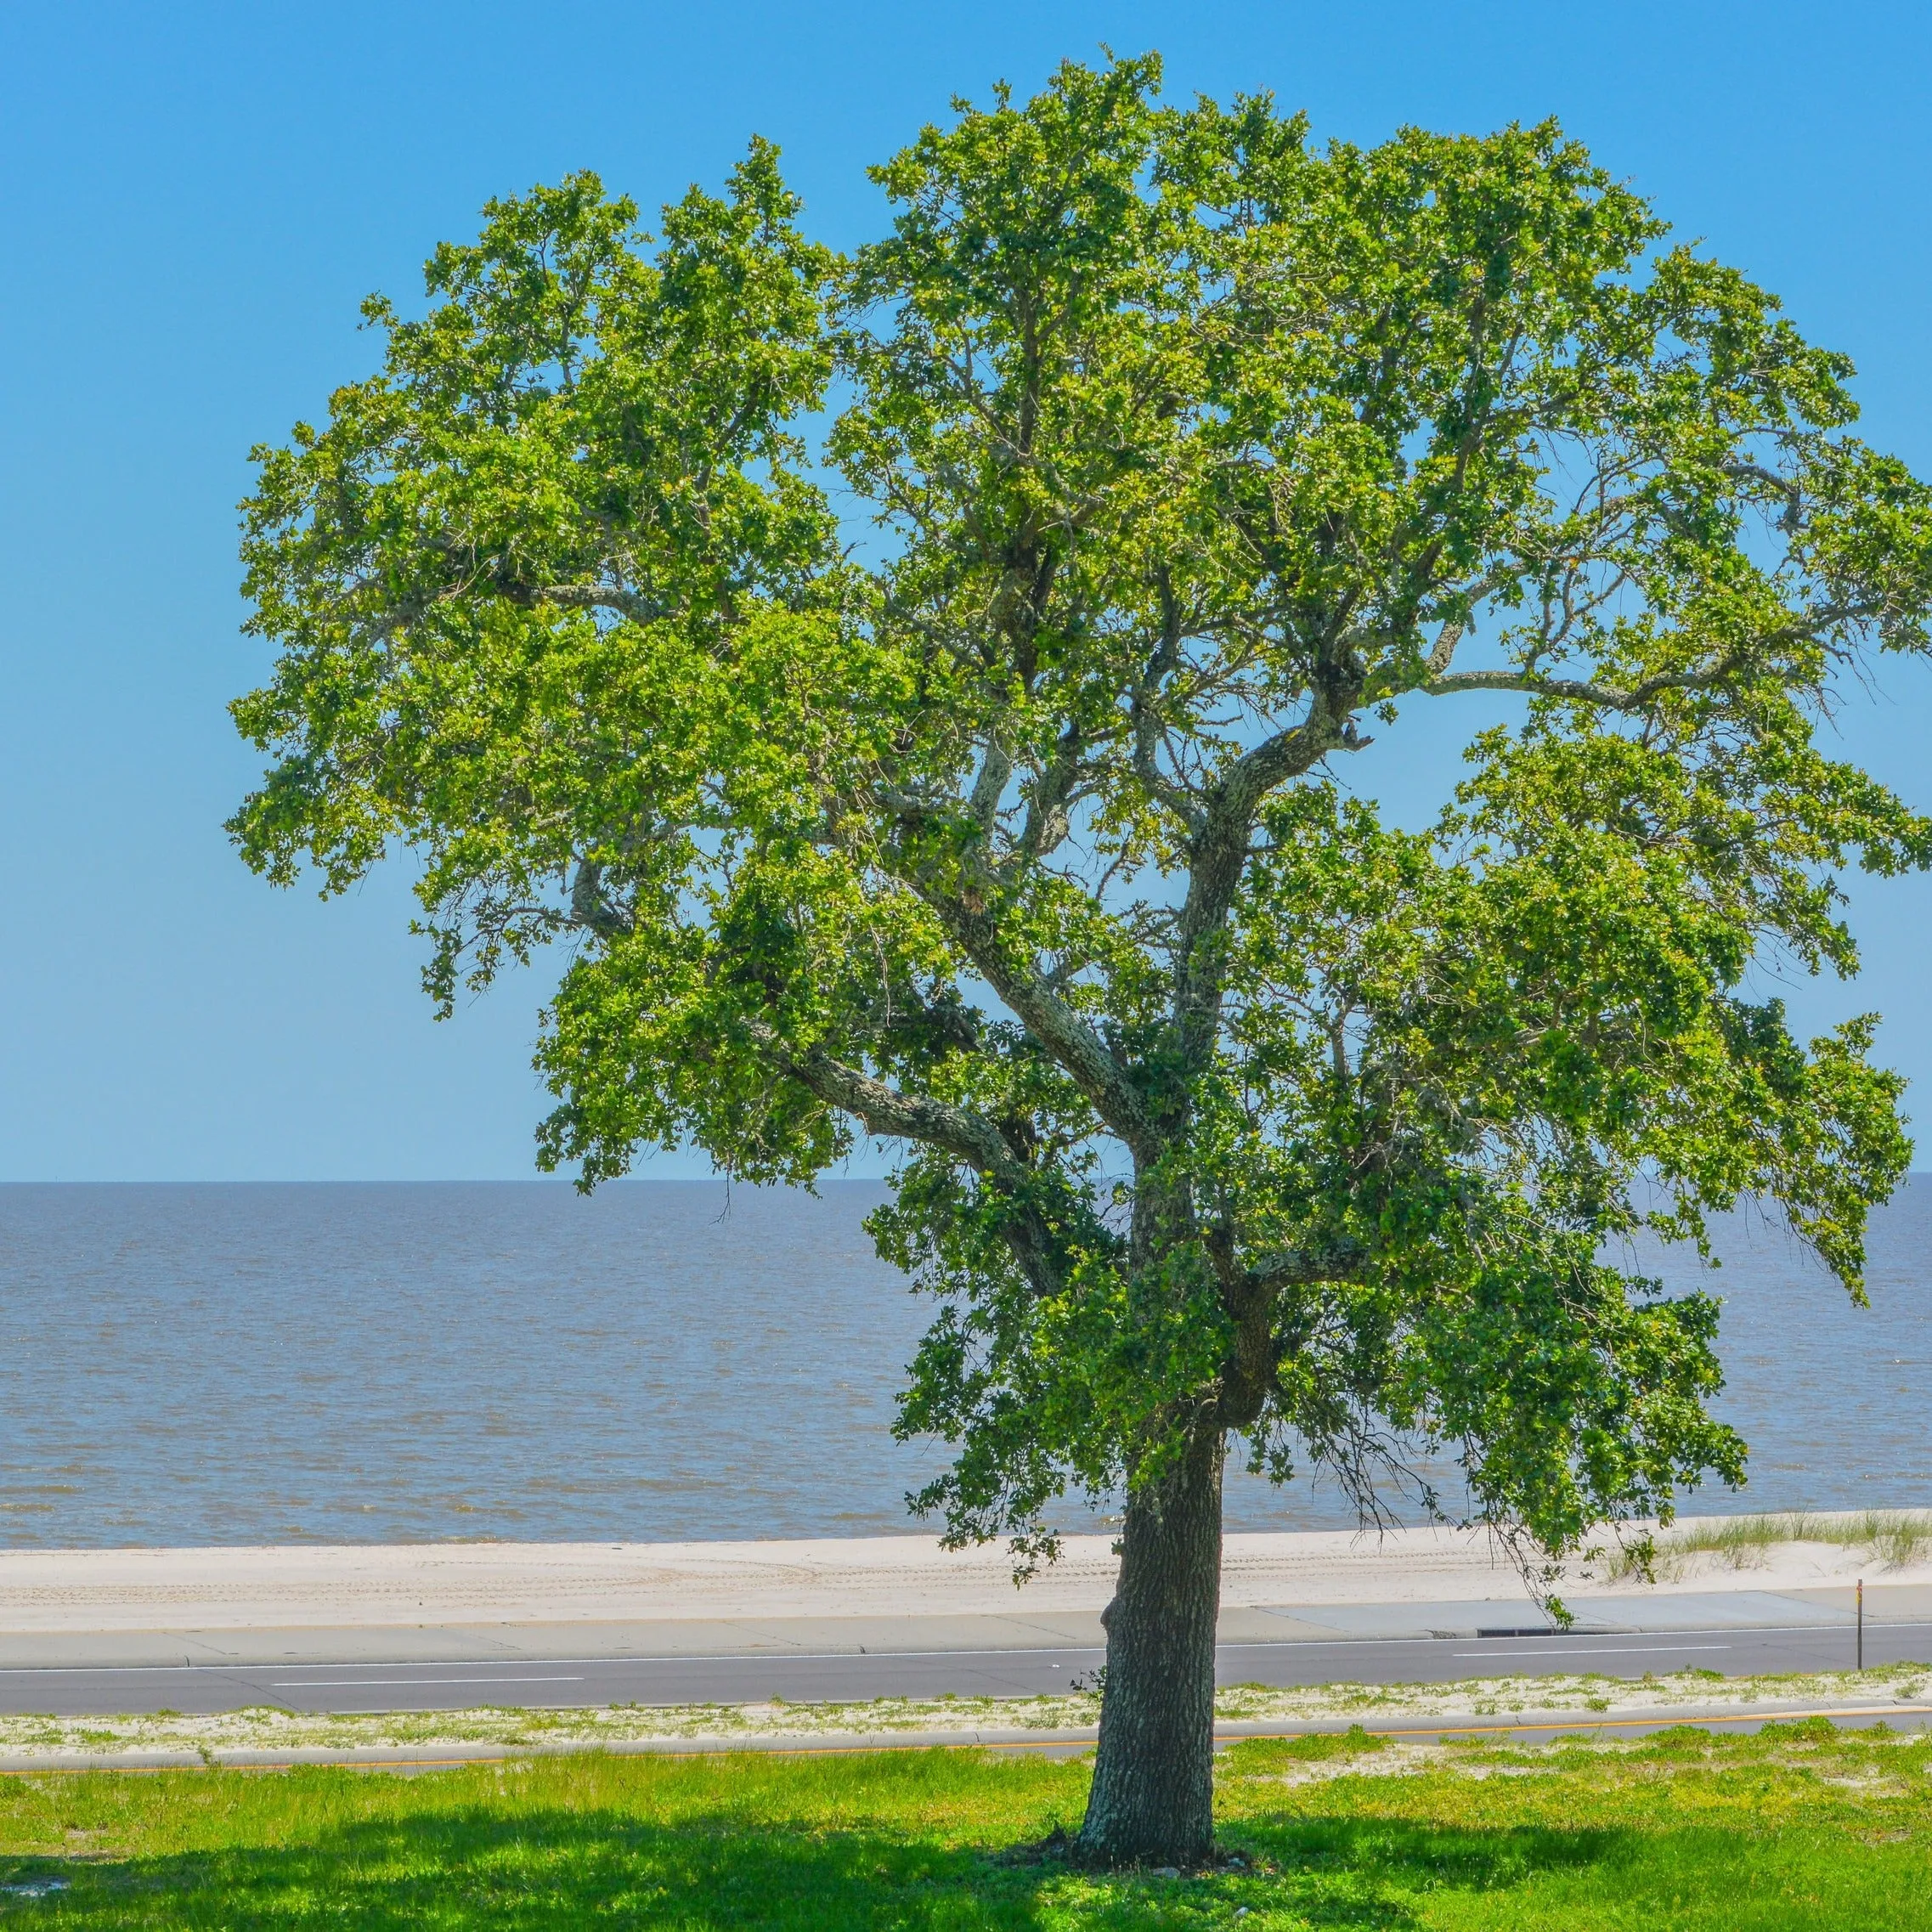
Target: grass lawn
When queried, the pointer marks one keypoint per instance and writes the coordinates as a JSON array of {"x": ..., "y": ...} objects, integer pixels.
[{"x": 1799, "y": 1827}]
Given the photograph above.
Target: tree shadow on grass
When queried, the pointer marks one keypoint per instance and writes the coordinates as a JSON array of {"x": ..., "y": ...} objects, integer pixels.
[
  {"x": 1382, "y": 1871},
  {"x": 551, "y": 1867},
  {"x": 480, "y": 1869},
  {"x": 1369, "y": 1872}
]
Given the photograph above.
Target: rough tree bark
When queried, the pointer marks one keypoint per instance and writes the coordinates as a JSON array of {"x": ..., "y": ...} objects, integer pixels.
[{"x": 1152, "y": 1799}]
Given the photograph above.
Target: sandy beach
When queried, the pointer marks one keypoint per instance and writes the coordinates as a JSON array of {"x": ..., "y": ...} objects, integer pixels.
[{"x": 56, "y": 1591}]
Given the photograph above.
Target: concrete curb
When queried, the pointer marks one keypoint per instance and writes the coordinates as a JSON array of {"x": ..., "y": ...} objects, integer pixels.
[{"x": 1527, "y": 1724}]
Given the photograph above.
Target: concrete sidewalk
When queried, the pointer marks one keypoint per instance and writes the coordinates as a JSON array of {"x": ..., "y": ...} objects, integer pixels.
[
  {"x": 450, "y": 1602},
  {"x": 1665, "y": 1613}
]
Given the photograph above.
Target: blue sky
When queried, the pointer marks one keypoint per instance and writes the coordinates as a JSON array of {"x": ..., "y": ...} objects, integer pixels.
[{"x": 198, "y": 195}]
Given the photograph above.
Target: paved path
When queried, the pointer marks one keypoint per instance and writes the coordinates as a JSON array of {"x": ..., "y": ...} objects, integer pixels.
[{"x": 374, "y": 1683}]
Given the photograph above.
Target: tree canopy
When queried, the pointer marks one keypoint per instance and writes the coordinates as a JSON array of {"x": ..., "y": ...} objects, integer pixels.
[{"x": 935, "y": 692}]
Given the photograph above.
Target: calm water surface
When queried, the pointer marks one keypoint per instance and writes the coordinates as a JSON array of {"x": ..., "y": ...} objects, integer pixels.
[{"x": 374, "y": 1363}]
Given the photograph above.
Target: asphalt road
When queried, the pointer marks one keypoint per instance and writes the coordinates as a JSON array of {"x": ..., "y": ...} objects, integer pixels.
[{"x": 803, "y": 1678}]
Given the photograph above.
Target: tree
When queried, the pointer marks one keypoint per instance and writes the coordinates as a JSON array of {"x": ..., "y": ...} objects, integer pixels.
[{"x": 1020, "y": 826}]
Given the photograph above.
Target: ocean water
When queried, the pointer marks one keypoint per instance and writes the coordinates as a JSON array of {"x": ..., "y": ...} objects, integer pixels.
[{"x": 665, "y": 1360}]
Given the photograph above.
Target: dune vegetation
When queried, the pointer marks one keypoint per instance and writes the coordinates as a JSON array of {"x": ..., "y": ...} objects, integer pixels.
[{"x": 1892, "y": 1539}]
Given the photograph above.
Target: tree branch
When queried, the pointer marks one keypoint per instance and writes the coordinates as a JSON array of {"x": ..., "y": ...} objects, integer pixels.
[
  {"x": 995, "y": 768},
  {"x": 1611, "y": 697},
  {"x": 1443, "y": 655},
  {"x": 973, "y": 927},
  {"x": 588, "y": 906},
  {"x": 1793, "y": 519},
  {"x": 1218, "y": 855},
  {"x": 1250, "y": 1298},
  {"x": 595, "y": 597},
  {"x": 892, "y": 1115},
  {"x": 1297, "y": 1268},
  {"x": 1065, "y": 1034},
  {"x": 969, "y": 1136},
  {"x": 1577, "y": 690},
  {"x": 1050, "y": 799},
  {"x": 1145, "y": 721}
]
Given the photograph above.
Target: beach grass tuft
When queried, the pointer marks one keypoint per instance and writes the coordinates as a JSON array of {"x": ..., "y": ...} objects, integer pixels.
[{"x": 1894, "y": 1539}]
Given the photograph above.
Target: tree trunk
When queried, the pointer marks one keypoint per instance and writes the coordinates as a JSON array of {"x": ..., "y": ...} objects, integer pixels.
[{"x": 1152, "y": 1801}]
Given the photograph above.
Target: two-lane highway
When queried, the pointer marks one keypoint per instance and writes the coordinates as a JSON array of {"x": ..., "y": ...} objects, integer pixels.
[{"x": 800, "y": 1677}]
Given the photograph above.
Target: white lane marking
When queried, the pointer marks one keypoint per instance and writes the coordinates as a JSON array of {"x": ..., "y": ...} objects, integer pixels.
[
  {"x": 384, "y": 1683},
  {"x": 729, "y": 1657},
  {"x": 1599, "y": 1650},
  {"x": 592, "y": 1663}
]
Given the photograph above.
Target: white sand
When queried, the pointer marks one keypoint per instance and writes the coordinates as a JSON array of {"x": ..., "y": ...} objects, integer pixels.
[{"x": 64, "y": 1590}]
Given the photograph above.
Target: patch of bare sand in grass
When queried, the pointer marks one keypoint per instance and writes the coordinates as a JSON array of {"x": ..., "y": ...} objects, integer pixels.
[{"x": 1580, "y": 1699}]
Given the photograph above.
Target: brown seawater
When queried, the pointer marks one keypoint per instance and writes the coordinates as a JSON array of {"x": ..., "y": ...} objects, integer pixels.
[{"x": 665, "y": 1360}]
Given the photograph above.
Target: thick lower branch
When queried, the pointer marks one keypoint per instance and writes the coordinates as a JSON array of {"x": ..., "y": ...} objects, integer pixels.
[
  {"x": 892, "y": 1115},
  {"x": 598, "y": 597},
  {"x": 1294, "y": 1267},
  {"x": 1080, "y": 1050},
  {"x": 1250, "y": 1299},
  {"x": 970, "y": 1137}
]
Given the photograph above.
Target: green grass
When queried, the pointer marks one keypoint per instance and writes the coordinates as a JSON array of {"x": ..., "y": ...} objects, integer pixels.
[
  {"x": 1801, "y": 1827},
  {"x": 1893, "y": 1537}
]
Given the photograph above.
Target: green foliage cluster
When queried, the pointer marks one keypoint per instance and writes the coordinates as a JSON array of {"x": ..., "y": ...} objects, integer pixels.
[
  {"x": 1024, "y": 825},
  {"x": 1799, "y": 1827}
]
